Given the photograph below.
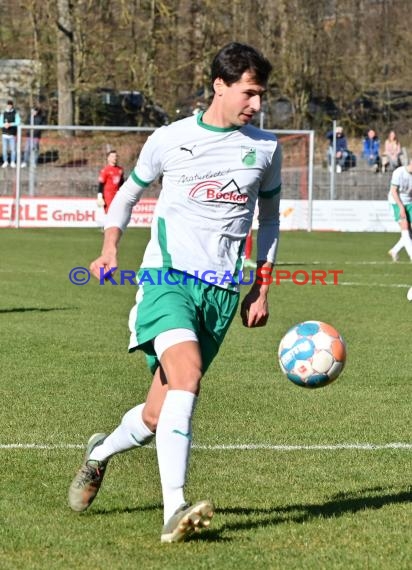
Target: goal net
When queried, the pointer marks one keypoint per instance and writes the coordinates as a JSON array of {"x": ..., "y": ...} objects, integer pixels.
[
  {"x": 56, "y": 184},
  {"x": 297, "y": 178}
]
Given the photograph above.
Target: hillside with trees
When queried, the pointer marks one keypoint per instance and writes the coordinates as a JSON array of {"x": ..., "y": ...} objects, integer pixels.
[{"x": 344, "y": 59}]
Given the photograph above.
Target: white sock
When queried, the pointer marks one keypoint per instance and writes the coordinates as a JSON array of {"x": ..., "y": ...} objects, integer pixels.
[
  {"x": 397, "y": 247},
  {"x": 132, "y": 432},
  {"x": 407, "y": 242},
  {"x": 173, "y": 442}
]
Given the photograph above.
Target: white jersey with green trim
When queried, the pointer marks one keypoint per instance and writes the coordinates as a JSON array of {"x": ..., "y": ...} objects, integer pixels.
[
  {"x": 402, "y": 179},
  {"x": 211, "y": 180}
]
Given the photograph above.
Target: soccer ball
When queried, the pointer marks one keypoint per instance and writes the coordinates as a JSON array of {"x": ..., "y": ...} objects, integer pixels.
[
  {"x": 312, "y": 354},
  {"x": 409, "y": 294}
]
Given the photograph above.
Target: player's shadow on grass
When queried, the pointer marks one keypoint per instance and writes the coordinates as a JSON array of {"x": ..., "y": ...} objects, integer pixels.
[
  {"x": 210, "y": 535},
  {"x": 125, "y": 510},
  {"x": 339, "y": 505},
  {"x": 249, "y": 518},
  {"x": 39, "y": 309}
]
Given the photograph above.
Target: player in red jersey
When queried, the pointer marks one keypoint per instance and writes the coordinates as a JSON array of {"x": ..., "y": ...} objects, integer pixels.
[{"x": 111, "y": 177}]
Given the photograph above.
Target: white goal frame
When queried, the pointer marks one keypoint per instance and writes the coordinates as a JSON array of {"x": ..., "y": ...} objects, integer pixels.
[{"x": 23, "y": 128}]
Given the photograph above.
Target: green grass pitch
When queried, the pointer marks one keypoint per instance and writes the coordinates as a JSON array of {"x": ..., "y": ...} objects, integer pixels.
[{"x": 290, "y": 471}]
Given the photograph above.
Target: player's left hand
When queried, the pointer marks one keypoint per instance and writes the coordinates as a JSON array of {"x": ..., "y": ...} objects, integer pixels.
[{"x": 254, "y": 309}]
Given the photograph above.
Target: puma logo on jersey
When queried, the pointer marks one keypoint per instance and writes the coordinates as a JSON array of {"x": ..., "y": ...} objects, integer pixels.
[{"x": 188, "y": 149}]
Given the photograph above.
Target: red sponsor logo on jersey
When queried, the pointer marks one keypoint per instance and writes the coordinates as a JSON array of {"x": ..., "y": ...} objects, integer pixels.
[{"x": 214, "y": 191}]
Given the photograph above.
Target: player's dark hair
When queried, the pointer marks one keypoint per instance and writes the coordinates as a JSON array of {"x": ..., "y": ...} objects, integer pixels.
[
  {"x": 231, "y": 62},
  {"x": 111, "y": 152}
]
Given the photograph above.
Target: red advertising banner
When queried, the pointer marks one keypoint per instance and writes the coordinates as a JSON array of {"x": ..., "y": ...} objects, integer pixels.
[
  {"x": 334, "y": 215},
  {"x": 46, "y": 212}
]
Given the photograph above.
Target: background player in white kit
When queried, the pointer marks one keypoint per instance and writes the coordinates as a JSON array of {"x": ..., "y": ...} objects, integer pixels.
[
  {"x": 400, "y": 196},
  {"x": 215, "y": 167}
]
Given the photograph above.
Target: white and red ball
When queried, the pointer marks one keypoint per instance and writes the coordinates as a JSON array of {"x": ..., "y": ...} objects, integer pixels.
[{"x": 312, "y": 354}]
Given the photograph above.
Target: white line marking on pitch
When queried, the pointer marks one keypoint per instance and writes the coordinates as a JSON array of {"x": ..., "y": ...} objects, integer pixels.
[
  {"x": 354, "y": 284},
  {"x": 387, "y": 262},
  {"x": 234, "y": 447},
  {"x": 349, "y": 284},
  {"x": 17, "y": 271},
  {"x": 320, "y": 447}
]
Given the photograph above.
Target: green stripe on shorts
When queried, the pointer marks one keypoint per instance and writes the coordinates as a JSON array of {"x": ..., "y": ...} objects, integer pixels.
[
  {"x": 173, "y": 299},
  {"x": 397, "y": 213}
]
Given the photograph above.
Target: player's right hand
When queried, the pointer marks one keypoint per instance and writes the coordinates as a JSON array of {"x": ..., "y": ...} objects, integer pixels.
[
  {"x": 103, "y": 265},
  {"x": 100, "y": 200}
]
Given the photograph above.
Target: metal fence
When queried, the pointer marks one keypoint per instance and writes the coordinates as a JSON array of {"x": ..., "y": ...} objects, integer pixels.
[{"x": 70, "y": 158}]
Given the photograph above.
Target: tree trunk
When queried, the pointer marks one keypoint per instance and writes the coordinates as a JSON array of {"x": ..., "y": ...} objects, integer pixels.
[{"x": 65, "y": 62}]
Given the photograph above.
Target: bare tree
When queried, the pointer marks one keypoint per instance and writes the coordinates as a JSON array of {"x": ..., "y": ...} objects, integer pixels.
[{"x": 340, "y": 50}]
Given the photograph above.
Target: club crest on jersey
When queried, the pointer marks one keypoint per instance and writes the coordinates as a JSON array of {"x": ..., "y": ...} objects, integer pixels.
[
  {"x": 214, "y": 191},
  {"x": 248, "y": 155}
]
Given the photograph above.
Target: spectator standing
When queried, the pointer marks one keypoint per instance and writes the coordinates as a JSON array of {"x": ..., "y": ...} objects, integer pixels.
[
  {"x": 371, "y": 150},
  {"x": 391, "y": 158},
  {"x": 32, "y": 148},
  {"x": 9, "y": 119},
  {"x": 111, "y": 177},
  {"x": 342, "y": 152}
]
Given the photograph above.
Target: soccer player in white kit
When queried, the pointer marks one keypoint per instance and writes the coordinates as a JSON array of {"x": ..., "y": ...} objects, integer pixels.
[
  {"x": 400, "y": 197},
  {"x": 215, "y": 168}
]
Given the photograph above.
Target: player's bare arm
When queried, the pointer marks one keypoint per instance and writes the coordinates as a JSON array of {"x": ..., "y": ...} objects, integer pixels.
[
  {"x": 254, "y": 309},
  {"x": 117, "y": 220},
  {"x": 395, "y": 195},
  {"x": 108, "y": 258}
]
